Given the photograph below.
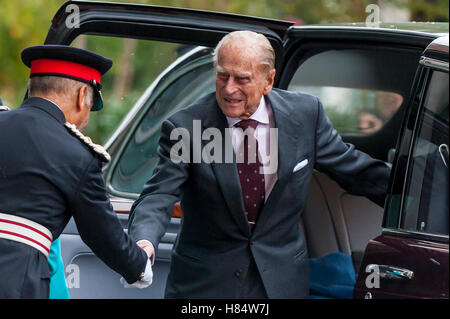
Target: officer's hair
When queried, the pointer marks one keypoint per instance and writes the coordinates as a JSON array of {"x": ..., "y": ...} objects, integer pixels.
[
  {"x": 251, "y": 40},
  {"x": 48, "y": 85}
]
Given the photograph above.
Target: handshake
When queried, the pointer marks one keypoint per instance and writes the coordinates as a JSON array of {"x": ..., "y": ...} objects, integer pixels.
[{"x": 147, "y": 278}]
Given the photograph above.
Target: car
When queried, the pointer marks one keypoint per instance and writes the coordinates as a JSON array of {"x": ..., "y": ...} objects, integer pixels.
[{"x": 385, "y": 90}]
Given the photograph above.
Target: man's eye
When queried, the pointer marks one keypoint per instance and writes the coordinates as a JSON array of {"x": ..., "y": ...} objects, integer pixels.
[{"x": 243, "y": 78}]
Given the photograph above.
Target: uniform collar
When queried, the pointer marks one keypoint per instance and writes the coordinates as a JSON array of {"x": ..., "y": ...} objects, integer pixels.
[
  {"x": 261, "y": 115},
  {"x": 47, "y": 106}
]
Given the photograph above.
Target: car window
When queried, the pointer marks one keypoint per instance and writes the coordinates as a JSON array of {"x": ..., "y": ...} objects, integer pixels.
[
  {"x": 352, "y": 87},
  {"x": 178, "y": 90},
  {"x": 426, "y": 202}
]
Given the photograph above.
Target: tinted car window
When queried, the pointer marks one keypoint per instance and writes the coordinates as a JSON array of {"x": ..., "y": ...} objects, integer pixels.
[
  {"x": 351, "y": 85},
  {"x": 426, "y": 204},
  {"x": 139, "y": 158}
]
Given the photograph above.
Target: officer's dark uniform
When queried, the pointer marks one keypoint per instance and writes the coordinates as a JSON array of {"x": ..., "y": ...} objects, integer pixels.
[{"x": 48, "y": 175}]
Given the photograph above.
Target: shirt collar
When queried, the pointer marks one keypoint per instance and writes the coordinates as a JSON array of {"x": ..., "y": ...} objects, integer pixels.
[{"x": 261, "y": 114}]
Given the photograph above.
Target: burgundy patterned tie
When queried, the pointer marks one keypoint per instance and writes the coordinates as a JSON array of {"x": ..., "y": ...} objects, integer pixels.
[{"x": 252, "y": 182}]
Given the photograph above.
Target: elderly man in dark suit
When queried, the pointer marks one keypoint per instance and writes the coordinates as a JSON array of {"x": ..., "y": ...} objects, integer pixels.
[
  {"x": 240, "y": 235},
  {"x": 49, "y": 172}
]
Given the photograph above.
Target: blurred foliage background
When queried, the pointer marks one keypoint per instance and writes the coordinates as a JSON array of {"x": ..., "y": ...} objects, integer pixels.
[{"x": 137, "y": 63}]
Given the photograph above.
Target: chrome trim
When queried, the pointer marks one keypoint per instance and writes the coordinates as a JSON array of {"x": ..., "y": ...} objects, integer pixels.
[
  {"x": 392, "y": 272},
  {"x": 415, "y": 234},
  {"x": 433, "y": 63},
  {"x": 439, "y": 44},
  {"x": 387, "y": 28},
  {"x": 121, "y": 205},
  {"x": 368, "y": 295},
  {"x": 414, "y": 132},
  {"x": 443, "y": 146},
  {"x": 112, "y": 191}
]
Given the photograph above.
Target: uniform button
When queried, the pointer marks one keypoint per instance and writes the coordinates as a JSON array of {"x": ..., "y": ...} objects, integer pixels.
[{"x": 238, "y": 273}]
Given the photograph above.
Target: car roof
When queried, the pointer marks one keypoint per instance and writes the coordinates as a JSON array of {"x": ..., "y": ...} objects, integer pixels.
[
  {"x": 438, "y": 49},
  {"x": 436, "y": 28}
]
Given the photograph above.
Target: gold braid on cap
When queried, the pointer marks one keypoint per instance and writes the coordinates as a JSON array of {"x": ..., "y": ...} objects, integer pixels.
[{"x": 98, "y": 149}]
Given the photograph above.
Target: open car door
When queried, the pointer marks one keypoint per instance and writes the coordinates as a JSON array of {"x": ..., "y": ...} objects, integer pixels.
[{"x": 410, "y": 258}]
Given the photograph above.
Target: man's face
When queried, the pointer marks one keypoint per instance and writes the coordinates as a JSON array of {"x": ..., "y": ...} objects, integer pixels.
[{"x": 240, "y": 82}]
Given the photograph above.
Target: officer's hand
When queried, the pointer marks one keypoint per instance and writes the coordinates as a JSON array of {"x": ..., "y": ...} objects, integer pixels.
[
  {"x": 148, "y": 248},
  {"x": 144, "y": 282}
]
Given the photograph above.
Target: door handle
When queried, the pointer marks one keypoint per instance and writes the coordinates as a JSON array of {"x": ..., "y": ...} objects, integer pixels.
[
  {"x": 444, "y": 156},
  {"x": 391, "y": 272}
]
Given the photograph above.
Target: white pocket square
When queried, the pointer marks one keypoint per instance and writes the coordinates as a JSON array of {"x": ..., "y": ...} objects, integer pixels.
[{"x": 300, "y": 165}]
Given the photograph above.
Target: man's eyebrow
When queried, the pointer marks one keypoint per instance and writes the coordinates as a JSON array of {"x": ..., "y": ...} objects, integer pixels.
[{"x": 219, "y": 69}]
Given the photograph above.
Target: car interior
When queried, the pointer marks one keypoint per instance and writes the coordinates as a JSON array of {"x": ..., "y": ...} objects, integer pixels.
[{"x": 364, "y": 79}]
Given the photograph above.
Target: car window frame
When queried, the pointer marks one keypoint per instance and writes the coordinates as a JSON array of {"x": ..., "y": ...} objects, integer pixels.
[{"x": 427, "y": 66}]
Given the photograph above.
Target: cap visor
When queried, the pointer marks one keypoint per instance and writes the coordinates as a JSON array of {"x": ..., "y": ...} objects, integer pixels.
[{"x": 98, "y": 101}]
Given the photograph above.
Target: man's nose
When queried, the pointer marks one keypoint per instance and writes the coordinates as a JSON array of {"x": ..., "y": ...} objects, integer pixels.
[{"x": 230, "y": 86}]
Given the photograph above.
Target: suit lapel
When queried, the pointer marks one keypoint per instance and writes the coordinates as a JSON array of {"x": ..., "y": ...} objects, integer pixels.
[
  {"x": 226, "y": 173},
  {"x": 288, "y": 144}
]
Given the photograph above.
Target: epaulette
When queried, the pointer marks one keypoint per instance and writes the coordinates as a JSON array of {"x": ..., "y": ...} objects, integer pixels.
[
  {"x": 98, "y": 149},
  {"x": 4, "y": 108}
]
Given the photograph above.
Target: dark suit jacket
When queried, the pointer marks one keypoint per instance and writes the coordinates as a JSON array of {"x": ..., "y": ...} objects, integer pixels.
[
  {"x": 47, "y": 175},
  {"x": 215, "y": 245}
]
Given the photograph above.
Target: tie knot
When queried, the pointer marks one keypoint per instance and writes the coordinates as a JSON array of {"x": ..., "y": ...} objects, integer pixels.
[{"x": 244, "y": 124}]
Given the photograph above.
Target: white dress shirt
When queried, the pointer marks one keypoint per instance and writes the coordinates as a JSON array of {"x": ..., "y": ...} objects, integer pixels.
[{"x": 264, "y": 116}]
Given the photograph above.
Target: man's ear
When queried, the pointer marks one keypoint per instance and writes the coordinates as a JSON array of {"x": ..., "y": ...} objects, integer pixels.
[
  {"x": 81, "y": 98},
  {"x": 270, "y": 78}
]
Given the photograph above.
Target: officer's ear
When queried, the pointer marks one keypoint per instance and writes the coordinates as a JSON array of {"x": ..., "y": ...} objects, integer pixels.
[{"x": 81, "y": 98}]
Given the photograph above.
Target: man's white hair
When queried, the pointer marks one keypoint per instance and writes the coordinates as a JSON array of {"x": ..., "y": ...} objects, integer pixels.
[{"x": 251, "y": 41}]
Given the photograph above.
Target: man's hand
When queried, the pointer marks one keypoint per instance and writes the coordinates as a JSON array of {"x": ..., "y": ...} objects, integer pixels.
[
  {"x": 143, "y": 282},
  {"x": 148, "y": 275},
  {"x": 148, "y": 248}
]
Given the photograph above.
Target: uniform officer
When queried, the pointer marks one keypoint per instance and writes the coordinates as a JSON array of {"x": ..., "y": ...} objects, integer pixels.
[{"x": 50, "y": 172}]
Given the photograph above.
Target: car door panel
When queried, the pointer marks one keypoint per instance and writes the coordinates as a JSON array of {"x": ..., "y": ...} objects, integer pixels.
[
  {"x": 410, "y": 258},
  {"x": 429, "y": 269},
  {"x": 96, "y": 280}
]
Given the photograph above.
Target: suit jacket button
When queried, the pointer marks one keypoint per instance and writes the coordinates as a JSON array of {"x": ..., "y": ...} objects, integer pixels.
[{"x": 238, "y": 273}]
